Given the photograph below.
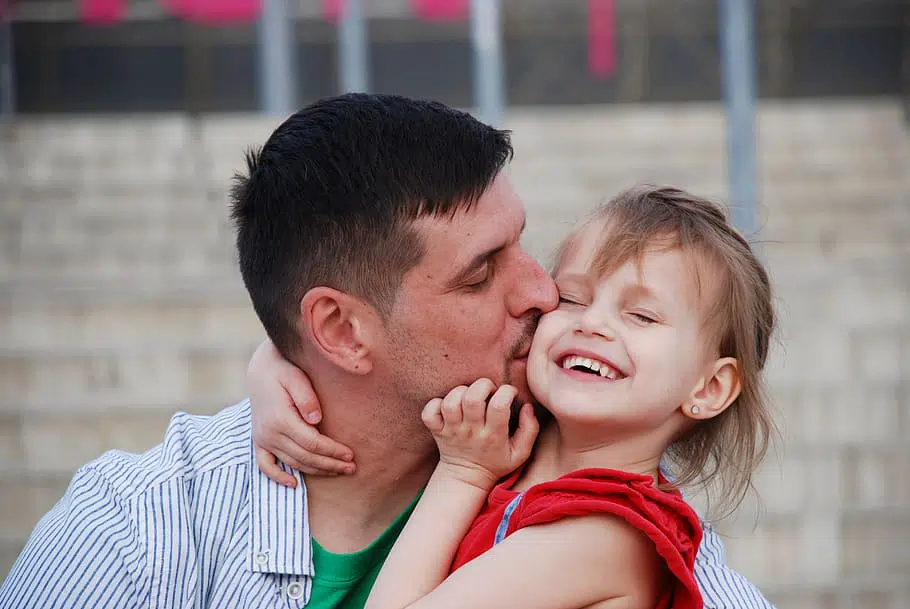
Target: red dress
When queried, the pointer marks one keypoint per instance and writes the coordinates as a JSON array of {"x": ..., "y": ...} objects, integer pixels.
[{"x": 663, "y": 516}]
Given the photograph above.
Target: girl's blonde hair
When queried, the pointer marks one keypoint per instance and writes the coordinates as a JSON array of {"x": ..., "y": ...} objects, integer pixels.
[{"x": 724, "y": 451}]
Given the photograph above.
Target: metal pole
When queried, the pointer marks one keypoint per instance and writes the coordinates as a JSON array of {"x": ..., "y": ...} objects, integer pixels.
[
  {"x": 7, "y": 72},
  {"x": 737, "y": 57},
  {"x": 277, "y": 68},
  {"x": 486, "y": 37},
  {"x": 353, "y": 50}
]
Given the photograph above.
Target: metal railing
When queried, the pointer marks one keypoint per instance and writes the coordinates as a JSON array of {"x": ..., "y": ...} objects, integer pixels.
[{"x": 277, "y": 72}]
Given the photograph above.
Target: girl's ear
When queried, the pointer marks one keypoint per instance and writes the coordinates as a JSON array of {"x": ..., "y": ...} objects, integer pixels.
[{"x": 714, "y": 392}]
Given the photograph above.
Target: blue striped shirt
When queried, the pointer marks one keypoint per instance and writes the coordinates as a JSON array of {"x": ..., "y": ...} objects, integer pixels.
[{"x": 193, "y": 523}]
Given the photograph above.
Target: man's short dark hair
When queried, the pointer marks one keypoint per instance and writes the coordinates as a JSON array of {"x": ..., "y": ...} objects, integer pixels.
[{"x": 329, "y": 199}]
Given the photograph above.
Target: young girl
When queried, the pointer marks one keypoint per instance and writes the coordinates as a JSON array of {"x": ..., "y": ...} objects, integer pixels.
[{"x": 654, "y": 354}]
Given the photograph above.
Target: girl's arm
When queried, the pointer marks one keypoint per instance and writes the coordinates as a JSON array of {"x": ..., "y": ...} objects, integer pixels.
[
  {"x": 587, "y": 561},
  {"x": 285, "y": 412},
  {"x": 475, "y": 451}
]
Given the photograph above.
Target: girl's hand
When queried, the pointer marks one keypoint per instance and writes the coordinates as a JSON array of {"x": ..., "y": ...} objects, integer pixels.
[
  {"x": 285, "y": 412},
  {"x": 471, "y": 428}
]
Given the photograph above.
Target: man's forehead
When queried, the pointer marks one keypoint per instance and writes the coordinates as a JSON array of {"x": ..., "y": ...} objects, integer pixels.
[{"x": 498, "y": 216}]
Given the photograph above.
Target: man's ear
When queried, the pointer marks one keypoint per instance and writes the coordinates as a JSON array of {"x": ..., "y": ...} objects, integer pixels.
[
  {"x": 341, "y": 327},
  {"x": 715, "y": 391}
]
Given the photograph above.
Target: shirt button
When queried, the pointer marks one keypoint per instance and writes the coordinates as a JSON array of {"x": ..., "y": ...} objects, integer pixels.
[
  {"x": 295, "y": 590},
  {"x": 262, "y": 558}
]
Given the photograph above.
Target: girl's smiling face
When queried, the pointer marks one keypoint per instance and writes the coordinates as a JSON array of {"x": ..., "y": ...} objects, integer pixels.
[{"x": 627, "y": 349}]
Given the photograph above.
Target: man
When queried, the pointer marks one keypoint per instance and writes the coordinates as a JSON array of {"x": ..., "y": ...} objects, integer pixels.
[{"x": 379, "y": 242}]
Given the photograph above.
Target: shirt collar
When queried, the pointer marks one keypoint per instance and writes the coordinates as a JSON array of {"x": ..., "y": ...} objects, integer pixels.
[{"x": 279, "y": 538}]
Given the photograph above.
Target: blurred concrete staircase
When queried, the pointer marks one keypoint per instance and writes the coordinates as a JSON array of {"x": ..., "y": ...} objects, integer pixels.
[
  {"x": 120, "y": 298},
  {"x": 120, "y": 302}
]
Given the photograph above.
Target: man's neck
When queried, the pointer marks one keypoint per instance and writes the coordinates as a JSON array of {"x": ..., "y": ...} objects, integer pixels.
[
  {"x": 394, "y": 462},
  {"x": 347, "y": 513}
]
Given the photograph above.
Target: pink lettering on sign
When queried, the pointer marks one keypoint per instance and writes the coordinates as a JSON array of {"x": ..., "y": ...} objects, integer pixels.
[
  {"x": 332, "y": 10},
  {"x": 212, "y": 12},
  {"x": 602, "y": 38},
  {"x": 441, "y": 10},
  {"x": 215, "y": 12},
  {"x": 102, "y": 12}
]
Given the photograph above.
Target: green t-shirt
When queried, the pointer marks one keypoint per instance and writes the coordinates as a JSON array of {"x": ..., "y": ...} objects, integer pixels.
[{"x": 344, "y": 580}]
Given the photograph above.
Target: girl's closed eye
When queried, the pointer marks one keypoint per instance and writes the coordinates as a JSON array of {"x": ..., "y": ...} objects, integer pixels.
[
  {"x": 645, "y": 317},
  {"x": 568, "y": 300}
]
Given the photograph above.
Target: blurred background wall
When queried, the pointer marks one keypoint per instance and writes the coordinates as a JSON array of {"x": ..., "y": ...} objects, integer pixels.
[{"x": 120, "y": 301}]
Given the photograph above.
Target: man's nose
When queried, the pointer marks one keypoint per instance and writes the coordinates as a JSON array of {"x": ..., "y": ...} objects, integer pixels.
[{"x": 533, "y": 290}]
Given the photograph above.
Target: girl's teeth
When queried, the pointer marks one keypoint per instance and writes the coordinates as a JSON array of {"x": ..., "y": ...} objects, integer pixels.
[{"x": 595, "y": 366}]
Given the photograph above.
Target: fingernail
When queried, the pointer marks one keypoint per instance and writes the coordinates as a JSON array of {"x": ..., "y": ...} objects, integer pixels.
[
  {"x": 349, "y": 469},
  {"x": 312, "y": 418}
]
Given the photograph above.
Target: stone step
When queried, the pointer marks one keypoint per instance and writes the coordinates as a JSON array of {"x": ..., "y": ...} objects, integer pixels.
[
  {"x": 794, "y": 191},
  {"x": 545, "y": 191},
  {"x": 868, "y": 405},
  {"x": 842, "y": 549},
  {"x": 840, "y": 238},
  {"x": 116, "y": 377},
  {"x": 177, "y": 276},
  {"x": 638, "y": 130},
  {"x": 166, "y": 291},
  {"x": 153, "y": 264},
  {"x": 152, "y": 239},
  {"x": 84, "y": 238},
  {"x": 611, "y": 160},
  {"x": 24, "y": 498},
  {"x": 708, "y": 152},
  {"x": 869, "y": 592},
  {"x": 154, "y": 201},
  {"x": 112, "y": 168},
  {"x": 803, "y": 203},
  {"x": 9, "y": 550},
  {"x": 136, "y": 134},
  {"x": 868, "y": 356},
  {"x": 862, "y": 213},
  {"x": 813, "y": 284},
  {"x": 99, "y": 234},
  {"x": 89, "y": 168},
  {"x": 807, "y": 480},
  {"x": 787, "y": 120},
  {"x": 53, "y": 444},
  {"x": 798, "y": 266},
  {"x": 884, "y": 220},
  {"x": 74, "y": 327}
]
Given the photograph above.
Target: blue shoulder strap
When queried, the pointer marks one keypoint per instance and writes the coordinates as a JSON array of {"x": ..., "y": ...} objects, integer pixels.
[{"x": 504, "y": 523}]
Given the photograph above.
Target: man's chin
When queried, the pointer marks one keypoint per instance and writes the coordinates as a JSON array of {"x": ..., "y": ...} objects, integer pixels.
[{"x": 518, "y": 378}]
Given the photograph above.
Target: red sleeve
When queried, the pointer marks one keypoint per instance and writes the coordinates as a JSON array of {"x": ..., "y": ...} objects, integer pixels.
[{"x": 663, "y": 516}]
